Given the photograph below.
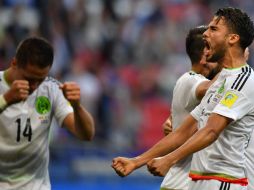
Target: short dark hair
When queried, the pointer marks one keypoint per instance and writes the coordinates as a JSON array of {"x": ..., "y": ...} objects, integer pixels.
[
  {"x": 195, "y": 44},
  {"x": 238, "y": 22},
  {"x": 36, "y": 51}
]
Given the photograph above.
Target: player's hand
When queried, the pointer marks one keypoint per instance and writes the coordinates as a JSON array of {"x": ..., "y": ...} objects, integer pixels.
[
  {"x": 71, "y": 91},
  {"x": 159, "y": 166},
  {"x": 18, "y": 91},
  {"x": 167, "y": 127},
  {"x": 123, "y": 166}
]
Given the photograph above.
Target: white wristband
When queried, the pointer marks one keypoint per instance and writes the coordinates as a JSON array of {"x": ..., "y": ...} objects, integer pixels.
[{"x": 3, "y": 102}]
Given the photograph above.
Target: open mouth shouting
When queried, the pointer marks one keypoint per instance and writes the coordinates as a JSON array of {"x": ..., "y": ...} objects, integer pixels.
[{"x": 207, "y": 49}]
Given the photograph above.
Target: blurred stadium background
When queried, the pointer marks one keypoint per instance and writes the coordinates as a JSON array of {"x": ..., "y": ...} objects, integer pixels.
[{"x": 126, "y": 55}]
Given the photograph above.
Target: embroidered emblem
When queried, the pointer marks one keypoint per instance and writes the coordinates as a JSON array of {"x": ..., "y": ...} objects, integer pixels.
[
  {"x": 222, "y": 88},
  {"x": 42, "y": 105}
]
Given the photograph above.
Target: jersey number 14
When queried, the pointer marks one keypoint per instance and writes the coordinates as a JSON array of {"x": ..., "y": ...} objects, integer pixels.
[{"x": 27, "y": 132}]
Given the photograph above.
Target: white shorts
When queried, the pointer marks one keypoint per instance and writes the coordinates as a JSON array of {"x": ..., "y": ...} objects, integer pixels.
[{"x": 214, "y": 185}]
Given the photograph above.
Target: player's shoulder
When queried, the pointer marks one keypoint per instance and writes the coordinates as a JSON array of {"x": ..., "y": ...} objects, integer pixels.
[
  {"x": 191, "y": 77},
  {"x": 51, "y": 81},
  {"x": 51, "y": 84},
  {"x": 196, "y": 76},
  {"x": 244, "y": 80}
]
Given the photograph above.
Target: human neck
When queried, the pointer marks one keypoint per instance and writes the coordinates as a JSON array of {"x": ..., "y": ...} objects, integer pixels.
[
  {"x": 196, "y": 68},
  {"x": 233, "y": 60}
]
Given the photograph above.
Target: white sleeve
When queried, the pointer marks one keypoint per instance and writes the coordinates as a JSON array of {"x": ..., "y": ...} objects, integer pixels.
[
  {"x": 61, "y": 106},
  {"x": 234, "y": 104},
  {"x": 191, "y": 97},
  {"x": 197, "y": 112}
]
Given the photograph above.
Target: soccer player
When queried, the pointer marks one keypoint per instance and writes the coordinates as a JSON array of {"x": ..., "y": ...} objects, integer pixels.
[
  {"x": 250, "y": 149},
  {"x": 189, "y": 90},
  {"x": 29, "y": 99},
  {"x": 250, "y": 162},
  {"x": 225, "y": 115}
]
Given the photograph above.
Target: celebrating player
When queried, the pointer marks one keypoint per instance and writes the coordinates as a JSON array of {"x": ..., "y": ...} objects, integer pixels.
[
  {"x": 189, "y": 90},
  {"x": 29, "y": 99}
]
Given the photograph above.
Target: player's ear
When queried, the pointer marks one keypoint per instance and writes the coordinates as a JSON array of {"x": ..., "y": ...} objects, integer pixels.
[
  {"x": 233, "y": 38},
  {"x": 14, "y": 63}
]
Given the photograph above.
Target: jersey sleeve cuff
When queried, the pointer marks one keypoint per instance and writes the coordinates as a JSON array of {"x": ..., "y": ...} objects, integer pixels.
[{"x": 226, "y": 113}]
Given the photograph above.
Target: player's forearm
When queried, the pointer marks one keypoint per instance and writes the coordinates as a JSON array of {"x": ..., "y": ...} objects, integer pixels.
[
  {"x": 202, "y": 139},
  {"x": 169, "y": 142},
  {"x": 161, "y": 148},
  {"x": 199, "y": 141},
  {"x": 5, "y": 100},
  {"x": 84, "y": 123}
]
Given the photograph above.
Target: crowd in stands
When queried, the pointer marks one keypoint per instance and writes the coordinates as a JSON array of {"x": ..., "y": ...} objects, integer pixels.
[{"x": 125, "y": 54}]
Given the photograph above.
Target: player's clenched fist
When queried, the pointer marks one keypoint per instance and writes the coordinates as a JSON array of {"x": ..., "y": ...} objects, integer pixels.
[
  {"x": 167, "y": 127},
  {"x": 18, "y": 91},
  {"x": 71, "y": 92},
  {"x": 123, "y": 166},
  {"x": 158, "y": 166}
]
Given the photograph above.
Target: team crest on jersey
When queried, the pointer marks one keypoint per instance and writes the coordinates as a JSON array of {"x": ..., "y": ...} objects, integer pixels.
[
  {"x": 42, "y": 105},
  {"x": 229, "y": 99}
]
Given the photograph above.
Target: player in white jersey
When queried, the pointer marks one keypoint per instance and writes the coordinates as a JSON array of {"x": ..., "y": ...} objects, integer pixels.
[
  {"x": 228, "y": 97},
  {"x": 250, "y": 150},
  {"x": 184, "y": 90},
  {"x": 226, "y": 113},
  {"x": 250, "y": 162},
  {"x": 189, "y": 89},
  {"x": 28, "y": 102}
]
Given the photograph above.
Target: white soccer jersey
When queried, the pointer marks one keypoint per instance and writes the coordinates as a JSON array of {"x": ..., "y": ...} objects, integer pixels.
[
  {"x": 250, "y": 162},
  {"x": 24, "y": 126},
  {"x": 231, "y": 96},
  {"x": 183, "y": 102}
]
